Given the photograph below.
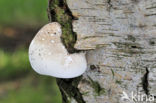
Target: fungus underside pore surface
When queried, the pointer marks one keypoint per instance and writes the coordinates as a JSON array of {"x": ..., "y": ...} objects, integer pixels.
[{"x": 58, "y": 11}]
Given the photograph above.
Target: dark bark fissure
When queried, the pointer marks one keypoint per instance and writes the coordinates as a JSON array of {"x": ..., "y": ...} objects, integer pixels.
[
  {"x": 110, "y": 5},
  {"x": 68, "y": 88},
  {"x": 62, "y": 4},
  {"x": 145, "y": 81},
  {"x": 58, "y": 11}
]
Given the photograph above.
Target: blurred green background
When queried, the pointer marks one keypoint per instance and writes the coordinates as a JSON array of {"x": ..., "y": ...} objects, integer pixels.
[{"x": 19, "y": 22}]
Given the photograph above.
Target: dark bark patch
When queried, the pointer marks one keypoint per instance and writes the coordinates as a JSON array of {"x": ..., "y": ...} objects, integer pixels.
[
  {"x": 58, "y": 11},
  {"x": 69, "y": 89},
  {"x": 145, "y": 81},
  {"x": 95, "y": 67},
  {"x": 96, "y": 86},
  {"x": 151, "y": 42},
  {"x": 131, "y": 38}
]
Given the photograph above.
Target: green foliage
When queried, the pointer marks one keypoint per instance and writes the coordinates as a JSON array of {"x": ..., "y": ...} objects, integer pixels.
[
  {"x": 33, "y": 89},
  {"x": 18, "y": 82},
  {"x": 12, "y": 64},
  {"x": 26, "y": 12}
]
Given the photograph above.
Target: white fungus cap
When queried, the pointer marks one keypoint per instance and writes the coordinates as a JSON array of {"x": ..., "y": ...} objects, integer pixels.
[{"x": 48, "y": 56}]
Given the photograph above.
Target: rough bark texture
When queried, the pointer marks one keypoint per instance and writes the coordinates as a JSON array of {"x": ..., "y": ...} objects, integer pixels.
[{"x": 120, "y": 39}]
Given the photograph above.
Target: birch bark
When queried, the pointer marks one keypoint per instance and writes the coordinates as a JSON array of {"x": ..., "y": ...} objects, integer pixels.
[{"x": 120, "y": 39}]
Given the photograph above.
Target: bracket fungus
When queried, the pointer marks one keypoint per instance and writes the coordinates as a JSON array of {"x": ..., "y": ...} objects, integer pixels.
[{"x": 48, "y": 56}]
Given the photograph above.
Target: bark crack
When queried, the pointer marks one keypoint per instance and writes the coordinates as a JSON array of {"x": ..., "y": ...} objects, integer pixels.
[
  {"x": 145, "y": 81},
  {"x": 58, "y": 11},
  {"x": 69, "y": 89},
  {"x": 110, "y": 5}
]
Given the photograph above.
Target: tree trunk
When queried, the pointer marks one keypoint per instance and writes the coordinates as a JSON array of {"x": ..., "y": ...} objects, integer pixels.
[{"x": 119, "y": 39}]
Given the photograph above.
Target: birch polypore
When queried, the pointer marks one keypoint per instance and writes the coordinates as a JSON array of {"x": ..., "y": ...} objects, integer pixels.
[{"x": 48, "y": 56}]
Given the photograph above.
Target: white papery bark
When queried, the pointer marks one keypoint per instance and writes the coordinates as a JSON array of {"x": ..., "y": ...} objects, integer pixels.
[{"x": 120, "y": 36}]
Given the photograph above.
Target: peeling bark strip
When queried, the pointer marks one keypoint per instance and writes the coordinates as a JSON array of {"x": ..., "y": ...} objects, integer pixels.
[{"x": 120, "y": 36}]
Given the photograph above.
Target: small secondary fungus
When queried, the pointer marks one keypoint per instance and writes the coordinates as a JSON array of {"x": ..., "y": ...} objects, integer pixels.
[{"x": 48, "y": 56}]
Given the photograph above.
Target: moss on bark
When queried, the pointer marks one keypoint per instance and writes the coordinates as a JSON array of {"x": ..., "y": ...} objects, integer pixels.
[
  {"x": 69, "y": 90},
  {"x": 59, "y": 12}
]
